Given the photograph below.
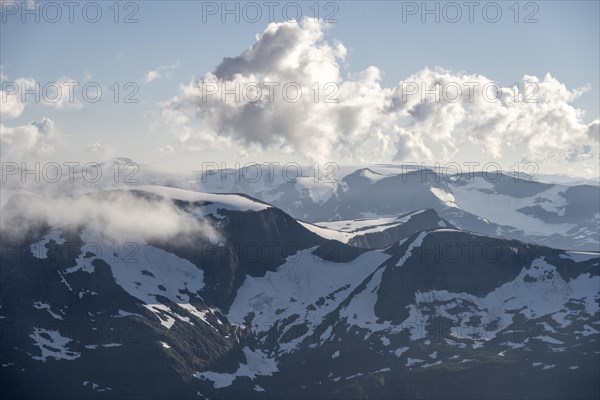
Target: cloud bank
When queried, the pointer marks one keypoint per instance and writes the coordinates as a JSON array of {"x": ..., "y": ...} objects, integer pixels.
[
  {"x": 118, "y": 215},
  {"x": 37, "y": 139},
  {"x": 368, "y": 122},
  {"x": 34, "y": 139}
]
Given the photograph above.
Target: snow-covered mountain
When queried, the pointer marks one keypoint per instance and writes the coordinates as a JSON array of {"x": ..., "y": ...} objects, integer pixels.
[
  {"x": 108, "y": 298},
  {"x": 495, "y": 204},
  {"x": 505, "y": 205},
  {"x": 376, "y": 233}
]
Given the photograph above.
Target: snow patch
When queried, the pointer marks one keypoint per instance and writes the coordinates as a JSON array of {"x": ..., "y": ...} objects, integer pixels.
[
  {"x": 39, "y": 249},
  {"x": 415, "y": 243},
  {"x": 52, "y": 345},
  {"x": 257, "y": 364},
  {"x": 305, "y": 285}
]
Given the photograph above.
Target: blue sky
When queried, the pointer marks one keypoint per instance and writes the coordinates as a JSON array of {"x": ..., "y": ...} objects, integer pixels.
[{"x": 172, "y": 39}]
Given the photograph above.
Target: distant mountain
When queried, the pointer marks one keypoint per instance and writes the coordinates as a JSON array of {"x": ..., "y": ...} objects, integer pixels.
[
  {"x": 504, "y": 205},
  {"x": 378, "y": 233},
  {"x": 495, "y": 204}
]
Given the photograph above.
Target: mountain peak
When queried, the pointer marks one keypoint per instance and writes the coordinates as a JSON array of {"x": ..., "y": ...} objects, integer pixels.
[{"x": 365, "y": 173}]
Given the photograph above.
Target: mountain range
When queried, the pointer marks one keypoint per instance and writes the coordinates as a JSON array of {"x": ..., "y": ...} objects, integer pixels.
[{"x": 379, "y": 285}]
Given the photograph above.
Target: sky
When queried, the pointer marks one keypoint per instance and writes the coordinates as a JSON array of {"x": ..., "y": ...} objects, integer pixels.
[{"x": 162, "y": 67}]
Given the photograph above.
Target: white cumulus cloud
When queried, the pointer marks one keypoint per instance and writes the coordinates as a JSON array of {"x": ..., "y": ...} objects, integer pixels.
[
  {"x": 34, "y": 139},
  {"x": 354, "y": 117}
]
